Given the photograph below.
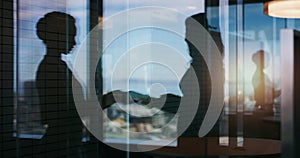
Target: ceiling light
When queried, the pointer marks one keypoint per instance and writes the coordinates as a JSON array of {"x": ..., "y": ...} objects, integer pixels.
[{"x": 282, "y": 8}]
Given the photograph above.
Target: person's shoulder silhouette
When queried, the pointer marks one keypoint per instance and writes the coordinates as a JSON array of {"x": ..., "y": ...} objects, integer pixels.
[{"x": 57, "y": 30}]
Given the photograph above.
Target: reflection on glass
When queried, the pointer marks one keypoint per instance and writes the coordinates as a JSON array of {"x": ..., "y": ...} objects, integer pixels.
[
  {"x": 144, "y": 123},
  {"x": 264, "y": 92}
]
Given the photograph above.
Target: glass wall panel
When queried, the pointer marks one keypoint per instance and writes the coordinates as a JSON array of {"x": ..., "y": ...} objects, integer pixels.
[
  {"x": 148, "y": 80},
  {"x": 246, "y": 39},
  {"x": 176, "y": 78}
]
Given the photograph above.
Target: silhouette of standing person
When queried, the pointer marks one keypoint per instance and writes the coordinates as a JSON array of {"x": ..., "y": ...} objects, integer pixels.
[
  {"x": 264, "y": 92},
  {"x": 202, "y": 72},
  {"x": 57, "y": 30}
]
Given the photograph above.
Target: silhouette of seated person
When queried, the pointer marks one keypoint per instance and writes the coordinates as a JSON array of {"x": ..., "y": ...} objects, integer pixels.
[
  {"x": 173, "y": 101},
  {"x": 63, "y": 136},
  {"x": 264, "y": 92}
]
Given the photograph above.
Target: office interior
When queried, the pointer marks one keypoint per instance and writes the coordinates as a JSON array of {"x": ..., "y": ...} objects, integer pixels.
[{"x": 224, "y": 83}]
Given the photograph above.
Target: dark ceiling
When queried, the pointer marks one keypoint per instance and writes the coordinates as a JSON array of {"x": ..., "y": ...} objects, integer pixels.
[{"x": 232, "y": 2}]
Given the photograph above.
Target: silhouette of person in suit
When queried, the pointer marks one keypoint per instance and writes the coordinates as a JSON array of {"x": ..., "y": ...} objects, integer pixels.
[
  {"x": 264, "y": 92},
  {"x": 63, "y": 136},
  {"x": 202, "y": 73}
]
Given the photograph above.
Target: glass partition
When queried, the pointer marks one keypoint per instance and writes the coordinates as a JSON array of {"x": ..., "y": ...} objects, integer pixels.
[{"x": 174, "y": 78}]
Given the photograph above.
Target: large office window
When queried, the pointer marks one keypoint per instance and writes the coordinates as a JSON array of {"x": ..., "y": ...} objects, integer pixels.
[
  {"x": 159, "y": 57},
  {"x": 249, "y": 43},
  {"x": 149, "y": 53}
]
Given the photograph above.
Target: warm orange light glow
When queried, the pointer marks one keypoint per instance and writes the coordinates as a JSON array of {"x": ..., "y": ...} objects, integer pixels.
[{"x": 283, "y": 8}]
